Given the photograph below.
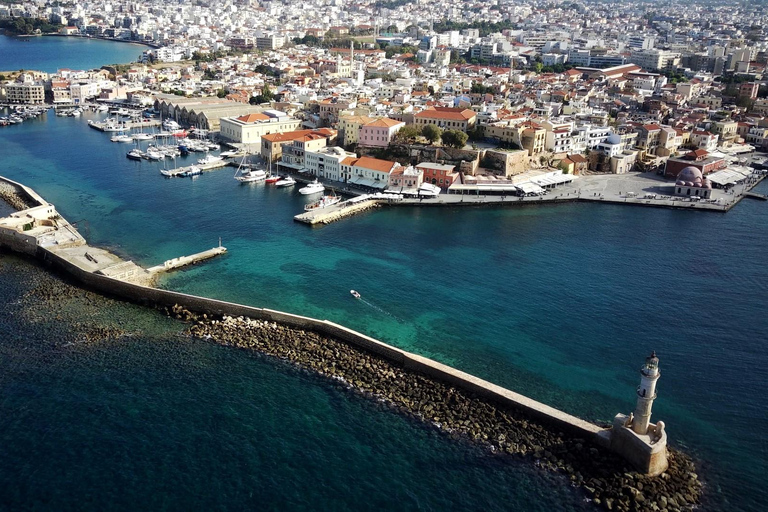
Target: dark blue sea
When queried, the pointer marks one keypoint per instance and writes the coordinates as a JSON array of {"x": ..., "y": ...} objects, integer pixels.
[
  {"x": 51, "y": 53},
  {"x": 560, "y": 303}
]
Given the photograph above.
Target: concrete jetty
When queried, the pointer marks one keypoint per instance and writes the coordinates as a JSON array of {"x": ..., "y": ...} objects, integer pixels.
[
  {"x": 40, "y": 231},
  {"x": 193, "y": 170},
  {"x": 336, "y": 212},
  {"x": 126, "y": 125},
  {"x": 183, "y": 261}
]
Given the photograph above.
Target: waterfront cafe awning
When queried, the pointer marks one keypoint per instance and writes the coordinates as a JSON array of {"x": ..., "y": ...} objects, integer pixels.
[
  {"x": 729, "y": 176},
  {"x": 529, "y": 188},
  {"x": 552, "y": 179},
  {"x": 365, "y": 182},
  {"x": 479, "y": 188}
]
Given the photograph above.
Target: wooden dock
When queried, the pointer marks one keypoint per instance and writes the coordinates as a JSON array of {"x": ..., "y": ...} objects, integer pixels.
[{"x": 183, "y": 261}]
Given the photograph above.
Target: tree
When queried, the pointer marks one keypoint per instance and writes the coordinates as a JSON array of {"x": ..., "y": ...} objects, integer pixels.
[
  {"x": 221, "y": 93},
  {"x": 408, "y": 134},
  {"x": 431, "y": 132},
  {"x": 454, "y": 138}
]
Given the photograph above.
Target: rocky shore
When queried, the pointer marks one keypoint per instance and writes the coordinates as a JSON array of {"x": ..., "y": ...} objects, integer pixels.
[
  {"x": 11, "y": 195},
  {"x": 606, "y": 479}
]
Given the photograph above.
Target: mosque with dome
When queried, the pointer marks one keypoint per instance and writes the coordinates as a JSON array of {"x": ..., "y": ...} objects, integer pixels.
[{"x": 692, "y": 183}]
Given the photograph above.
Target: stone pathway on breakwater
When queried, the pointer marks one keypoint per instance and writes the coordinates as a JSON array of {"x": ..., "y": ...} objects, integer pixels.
[{"x": 608, "y": 480}]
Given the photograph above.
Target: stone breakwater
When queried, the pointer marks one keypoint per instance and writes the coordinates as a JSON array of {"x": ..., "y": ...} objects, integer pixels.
[
  {"x": 11, "y": 195},
  {"x": 607, "y": 480}
]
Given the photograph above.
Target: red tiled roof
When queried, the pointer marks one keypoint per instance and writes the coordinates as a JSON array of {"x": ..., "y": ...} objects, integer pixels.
[
  {"x": 453, "y": 114},
  {"x": 252, "y": 118}
]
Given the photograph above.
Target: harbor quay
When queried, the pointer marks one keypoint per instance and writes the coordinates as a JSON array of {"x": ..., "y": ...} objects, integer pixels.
[
  {"x": 625, "y": 466},
  {"x": 636, "y": 189}
]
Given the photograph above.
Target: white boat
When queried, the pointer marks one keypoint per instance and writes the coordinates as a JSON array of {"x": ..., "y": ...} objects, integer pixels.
[
  {"x": 313, "y": 188},
  {"x": 286, "y": 181},
  {"x": 231, "y": 154},
  {"x": 171, "y": 125},
  {"x": 135, "y": 154},
  {"x": 143, "y": 136},
  {"x": 323, "y": 202},
  {"x": 192, "y": 171},
  {"x": 154, "y": 155},
  {"x": 121, "y": 138},
  {"x": 252, "y": 176},
  {"x": 210, "y": 159},
  {"x": 354, "y": 294}
]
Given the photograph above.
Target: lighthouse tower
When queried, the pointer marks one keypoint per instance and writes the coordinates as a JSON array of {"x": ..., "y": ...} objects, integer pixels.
[
  {"x": 646, "y": 394},
  {"x": 634, "y": 437}
]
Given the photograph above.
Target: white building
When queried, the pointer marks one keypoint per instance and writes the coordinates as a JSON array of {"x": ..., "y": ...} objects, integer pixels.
[{"x": 326, "y": 162}]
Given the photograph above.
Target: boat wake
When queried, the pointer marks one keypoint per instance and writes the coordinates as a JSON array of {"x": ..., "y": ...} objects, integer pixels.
[{"x": 378, "y": 308}]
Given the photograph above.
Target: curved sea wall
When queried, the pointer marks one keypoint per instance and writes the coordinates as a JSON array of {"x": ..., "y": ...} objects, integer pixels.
[{"x": 461, "y": 404}]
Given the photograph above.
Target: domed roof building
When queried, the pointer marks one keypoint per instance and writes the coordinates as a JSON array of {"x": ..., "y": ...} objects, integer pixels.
[{"x": 692, "y": 183}]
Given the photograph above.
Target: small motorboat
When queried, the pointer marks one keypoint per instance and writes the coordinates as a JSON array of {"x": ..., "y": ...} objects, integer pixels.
[
  {"x": 354, "y": 294},
  {"x": 287, "y": 181},
  {"x": 135, "y": 154}
]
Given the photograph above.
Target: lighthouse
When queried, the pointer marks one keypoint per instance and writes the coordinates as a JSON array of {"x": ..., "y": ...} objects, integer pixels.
[
  {"x": 634, "y": 437},
  {"x": 646, "y": 394}
]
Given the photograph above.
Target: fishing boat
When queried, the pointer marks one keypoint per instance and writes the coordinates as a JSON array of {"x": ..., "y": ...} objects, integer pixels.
[
  {"x": 323, "y": 202},
  {"x": 285, "y": 181},
  {"x": 354, "y": 294},
  {"x": 192, "y": 171},
  {"x": 313, "y": 188}
]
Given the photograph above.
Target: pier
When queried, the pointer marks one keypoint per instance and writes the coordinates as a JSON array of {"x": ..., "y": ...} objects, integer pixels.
[
  {"x": 193, "y": 170},
  {"x": 39, "y": 230},
  {"x": 183, "y": 261},
  {"x": 104, "y": 126},
  {"x": 336, "y": 212}
]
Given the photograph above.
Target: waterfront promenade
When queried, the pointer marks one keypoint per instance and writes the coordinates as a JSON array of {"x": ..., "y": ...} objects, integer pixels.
[{"x": 634, "y": 189}]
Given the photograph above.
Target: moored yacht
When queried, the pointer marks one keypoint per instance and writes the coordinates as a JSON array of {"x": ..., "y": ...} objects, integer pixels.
[
  {"x": 313, "y": 188},
  {"x": 286, "y": 181}
]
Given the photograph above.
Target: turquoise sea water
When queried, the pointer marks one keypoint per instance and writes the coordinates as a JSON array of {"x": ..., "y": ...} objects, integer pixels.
[
  {"x": 50, "y": 53},
  {"x": 559, "y": 303}
]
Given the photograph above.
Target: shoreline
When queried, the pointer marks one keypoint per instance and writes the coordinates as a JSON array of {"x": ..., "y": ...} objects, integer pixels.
[
  {"x": 4, "y": 32},
  {"x": 97, "y": 38}
]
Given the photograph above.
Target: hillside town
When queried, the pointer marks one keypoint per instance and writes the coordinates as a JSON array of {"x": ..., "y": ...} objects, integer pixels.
[{"x": 384, "y": 95}]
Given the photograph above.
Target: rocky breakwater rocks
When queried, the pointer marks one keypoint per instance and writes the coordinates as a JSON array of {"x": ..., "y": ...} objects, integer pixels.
[
  {"x": 607, "y": 480},
  {"x": 11, "y": 195}
]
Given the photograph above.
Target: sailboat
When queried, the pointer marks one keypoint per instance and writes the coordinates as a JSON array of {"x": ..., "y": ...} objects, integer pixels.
[
  {"x": 272, "y": 178},
  {"x": 249, "y": 176}
]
